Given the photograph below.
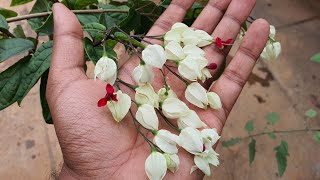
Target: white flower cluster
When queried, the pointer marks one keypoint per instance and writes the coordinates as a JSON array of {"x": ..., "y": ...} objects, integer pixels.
[
  {"x": 183, "y": 47},
  {"x": 273, "y": 47}
]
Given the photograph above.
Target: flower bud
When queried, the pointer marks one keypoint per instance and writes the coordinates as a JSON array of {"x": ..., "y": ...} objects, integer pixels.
[
  {"x": 145, "y": 95},
  {"x": 214, "y": 100},
  {"x": 166, "y": 141},
  {"x": 205, "y": 38},
  {"x": 271, "y": 51},
  {"x": 106, "y": 70},
  {"x": 156, "y": 166},
  {"x": 174, "y": 51},
  {"x": 175, "y": 34},
  {"x": 173, "y": 162},
  {"x": 120, "y": 108},
  {"x": 197, "y": 95},
  {"x": 147, "y": 117},
  {"x": 154, "y": 56},
  {"x": 210, "y": 136},
  {"x": 174, "y": 108},
  {"x": 205, "y": 74},
  {"x": 191, "y": 67},
  {"x": 163, "y": 94},
  {"x": 191, "y": 140},
  {"x": 191, "y": 119},
  {"x": 193, "y": 50},
  {"x": 198, "y": 38},
  {"x": 143, "y": 74}
]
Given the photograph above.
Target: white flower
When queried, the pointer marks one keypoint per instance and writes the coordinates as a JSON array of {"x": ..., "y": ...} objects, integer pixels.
[
  {"x": 205, "y": 74},
  {"x": 120, "y": 108},
  {"x": 191, "y": 119},
  {"x": 106, "y": 70},
  {"x": 210, "y": 137},
  {"x": 271, "y": 51},
  {"x": 174, "y": 51},
  {"x": 173, "y": 162},
  {"x": 175, "y": 34},
  {"x": 214, "y": 100},
  {"x": 193, "y": 50},
  {"x": 163, "y": 94},
  {"x": 198, "y": 38},
  {"x": 147, "y": 117},
  {"x": 191, "y": 140},
  {"x": 156, "y": 166},
  {"x": 197, "y": 95},
  {"x": 166, "y": 141},
  {"x": 272, "y": 32},
  {"x": 143, "y": 74},
  {"x": 145, "y": 95},
  {"x": 174, "y": 108},
  {"x": 191, "y": 67},
  {"x": 154, "y": 56},
  {"x": 204, "y": 160}
]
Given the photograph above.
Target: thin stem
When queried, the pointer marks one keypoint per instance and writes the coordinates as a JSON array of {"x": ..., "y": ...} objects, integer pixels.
[
  {"x": 280, "y": 132},
  {"x": 168, "y": 121},
  {"x": 177, "y": 75},
  {"x": 43, "y": 14},
  {"x": 9, "y": 34},
  {"x": 127, "y": 84},
  {"x": 164, "y": 78}
]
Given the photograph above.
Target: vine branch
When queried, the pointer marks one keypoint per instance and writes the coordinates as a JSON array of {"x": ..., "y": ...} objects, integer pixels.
[
  {"x": 44, "y": 14},
  {"x": 280, "y": 132}
]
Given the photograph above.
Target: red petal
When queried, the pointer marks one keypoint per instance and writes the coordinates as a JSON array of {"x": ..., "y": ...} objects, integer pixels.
[
  {"x": 229, "y": 41},
  {"x": 102, "y": 102},
  {"x": 218, "y": 43},
  {"x": 114, "y": 97},
  {"x": 110, "y": 89}
]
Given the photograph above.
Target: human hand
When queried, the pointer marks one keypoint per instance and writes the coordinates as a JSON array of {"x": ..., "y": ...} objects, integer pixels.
[{"x": 94, "y": 146}]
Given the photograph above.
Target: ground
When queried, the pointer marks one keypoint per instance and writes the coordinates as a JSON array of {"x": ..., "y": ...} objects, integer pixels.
[{"x": 288, "y": 86}]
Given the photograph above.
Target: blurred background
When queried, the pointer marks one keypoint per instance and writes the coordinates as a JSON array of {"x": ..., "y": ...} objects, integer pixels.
[{"x": 275, "y": 99}]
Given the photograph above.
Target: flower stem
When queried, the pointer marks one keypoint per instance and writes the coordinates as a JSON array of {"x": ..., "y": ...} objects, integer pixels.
[
  {"x": 168, "y": 121},
  {"x": 177, "y": 75},
  {"x": 127, "y": 84},
  {"x": 164, "y": 79}
]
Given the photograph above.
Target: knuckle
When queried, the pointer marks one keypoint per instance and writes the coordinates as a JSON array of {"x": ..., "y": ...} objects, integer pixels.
[{"x": 235, "y": 77}]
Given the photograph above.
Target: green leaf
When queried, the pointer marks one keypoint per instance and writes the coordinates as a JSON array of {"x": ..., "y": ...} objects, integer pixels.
[
  {"x": 18, "y": 32},
  {"x": 19, "y": 2},
  {"x": 272, "y": 118},
  {"x": 316, "y": 137},
  {"x": 8, "y": 13},
  {"x": 272, "y": 135},
  {"x": 316, "y": 58},
  {"x": 38, "y": 7},
  {"x": 281, "y": 157},
  {"x": 311, "y": 113},
  {"x": 111, "y": 19},
  {"x": 90, "y": 51},
  {"x": 38, "y": 64},
  {"x": 249, "y": 126},
  {"x": 44, "y": 104},
  {"x": 231, "y": 142},
  {"x": 94, "y": 29},
  {"x": 18, "y": 79},
  {"x": 47, "y": 27},
  {"x": 13, "y": 46},
  {"x": 11, "y": 80},
  {"x": 131, "y": 22},
  {"x": 3, "y": 23},
  {"x": 88, "y": 18},
  {"x": 81, "y": 4},
  {"x": 252, "y": 150}
]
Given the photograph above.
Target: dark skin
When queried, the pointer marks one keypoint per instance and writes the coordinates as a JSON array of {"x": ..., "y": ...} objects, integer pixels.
[{"x": 94, "y": 146}]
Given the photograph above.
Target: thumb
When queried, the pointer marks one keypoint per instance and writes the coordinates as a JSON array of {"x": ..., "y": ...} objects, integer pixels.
[{"x": 68, "y": 56}]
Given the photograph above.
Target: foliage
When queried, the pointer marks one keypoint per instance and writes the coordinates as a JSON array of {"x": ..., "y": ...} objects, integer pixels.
[
  {"x": 316, "y": 58},
  {"x": 16, "y": 81},
  {"x": 281, "y": 156},
  {"x": 311, "y": 113}
]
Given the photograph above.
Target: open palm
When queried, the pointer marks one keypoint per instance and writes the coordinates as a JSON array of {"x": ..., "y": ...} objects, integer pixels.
[{"x": 94, "y": 146}]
